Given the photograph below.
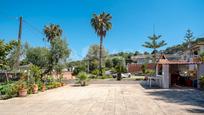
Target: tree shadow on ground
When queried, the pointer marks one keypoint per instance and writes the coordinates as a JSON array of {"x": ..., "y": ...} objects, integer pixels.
[
  {"x": 192, "y": 97},
  {"x": 196, "y": 110},
  {"x": 113, "y": 81}
]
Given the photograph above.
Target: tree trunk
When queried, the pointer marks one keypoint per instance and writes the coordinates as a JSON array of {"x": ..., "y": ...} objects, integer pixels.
[
  {"x": 100, "y": 56},
  {"x": 155, "y": 58},
  {"x": 6, "y": 75}
]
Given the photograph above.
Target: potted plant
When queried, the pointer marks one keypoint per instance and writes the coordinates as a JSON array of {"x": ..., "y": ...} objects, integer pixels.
[
  {"x": 35, "y": 88},
  {"x": 201, "y": 82},
  {"x": 82, "y": 79},
  {"x": 43, "y": 87},
  {"x": 22, "y": 90},
  {"x": 120, "y": 68}
]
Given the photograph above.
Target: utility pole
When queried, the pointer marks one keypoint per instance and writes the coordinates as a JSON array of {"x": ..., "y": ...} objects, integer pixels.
[{"x": 19, "y": 43}]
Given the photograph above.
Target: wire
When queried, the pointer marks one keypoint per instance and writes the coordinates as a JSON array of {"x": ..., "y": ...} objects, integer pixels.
[
  {"x": 2, "y": 14},
  {"x": 32, "y": 26}
]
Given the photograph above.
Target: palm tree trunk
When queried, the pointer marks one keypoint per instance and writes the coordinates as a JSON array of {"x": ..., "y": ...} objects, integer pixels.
[{"x": 100, "y": 58}]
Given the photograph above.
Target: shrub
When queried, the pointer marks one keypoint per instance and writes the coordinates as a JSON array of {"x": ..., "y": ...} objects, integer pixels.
[
  {"x": 144, "y": 68},
  {"x": 106, "y": 76},
  {"x": 8, "y": 90},
  {"x": 201, "y": 82},
  {"x": 35, "y": 73},
  {"x": 95, "y": 72},
  {"x": 150, "y": 72},
  {"x": 40, "y": 84},
  {"x": 77, "y": 70},
  {"x": 82, "y": 79},
  {"x": 54, "y": 84},
  {"x": 49, "y": 79}
]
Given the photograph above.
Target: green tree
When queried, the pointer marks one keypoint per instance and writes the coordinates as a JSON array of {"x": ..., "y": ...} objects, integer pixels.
[
  {"x": 14, "y": 55},
  {"x": 52, "y": 31},
  {"x": 118, "y": 60},
  {"x": 101, "y": 24},
  {"x": 137, "y": 53},
  {"x": 5, "y": 49},
  {"x": 93, "y": 56},
  {"x": 146, "y": 53},
  {"x": 38, "y": 56},
  {"x": 189, "y": 39},
  {"x": 108, "y": 62},
  {"x": 59, "y": 50},
  {"x": 94, "y": 52},
  {"x": 154, "y": 44}
]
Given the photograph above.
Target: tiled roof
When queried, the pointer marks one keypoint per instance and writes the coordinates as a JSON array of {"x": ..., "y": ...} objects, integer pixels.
[{"x": 165, "y": 61}]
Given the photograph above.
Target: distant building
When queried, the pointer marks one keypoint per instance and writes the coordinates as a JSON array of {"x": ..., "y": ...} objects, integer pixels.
[
  {"x": 139, "y": 60},
  {"x": 193, "y": 53}
]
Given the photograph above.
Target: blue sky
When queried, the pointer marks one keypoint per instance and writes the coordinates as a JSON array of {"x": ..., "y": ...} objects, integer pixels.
[{"x": 133, "y": 21}]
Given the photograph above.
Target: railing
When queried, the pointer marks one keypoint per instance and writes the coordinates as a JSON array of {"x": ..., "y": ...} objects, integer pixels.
[{"x": 157, "y": 78}]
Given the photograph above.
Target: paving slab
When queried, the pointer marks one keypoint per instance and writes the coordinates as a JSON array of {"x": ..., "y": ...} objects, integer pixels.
[{"x": 107, "y": 99}]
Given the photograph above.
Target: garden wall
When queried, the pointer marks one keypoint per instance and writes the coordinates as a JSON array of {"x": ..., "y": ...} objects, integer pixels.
[
  {"x": 136, "y": 68},
  {"x": 66, "y": 75}
]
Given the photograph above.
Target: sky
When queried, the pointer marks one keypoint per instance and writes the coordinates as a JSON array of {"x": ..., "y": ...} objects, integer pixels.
[{"x": 132, "y": 22}]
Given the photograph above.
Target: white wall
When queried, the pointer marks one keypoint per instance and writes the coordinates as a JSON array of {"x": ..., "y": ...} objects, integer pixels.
[{"x": 165, "y": 74}]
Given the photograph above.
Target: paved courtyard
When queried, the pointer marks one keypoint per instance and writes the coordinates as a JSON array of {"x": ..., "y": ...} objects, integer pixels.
[{"x": 107, "y": 99}]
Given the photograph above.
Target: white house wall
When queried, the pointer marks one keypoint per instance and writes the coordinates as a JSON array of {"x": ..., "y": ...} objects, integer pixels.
[{"x": 165, "y": 78}]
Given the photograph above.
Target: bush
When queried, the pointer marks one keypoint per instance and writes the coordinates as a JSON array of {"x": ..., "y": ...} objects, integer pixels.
[
  {"x": 8, "y": 90},
  {"x": 201, "y": 82},
  {"x": 82, "y": 79},
  {"x": 144, "y": 68},
  {"x": 54, "y": 84},
  {"x": 79, "y": 69},
  {"x": 95, "y": 72},
  {"x": 35, "y": 74},
  {"x": 150, "y": 72},
  {"x": 51, "y": 83}
]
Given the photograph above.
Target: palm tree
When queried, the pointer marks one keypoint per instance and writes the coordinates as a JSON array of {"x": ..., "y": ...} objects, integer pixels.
[
  {"x": 52, "y": 31},
  {"x": 154, "y": 44},
  {"x": 101, "y": 24}
]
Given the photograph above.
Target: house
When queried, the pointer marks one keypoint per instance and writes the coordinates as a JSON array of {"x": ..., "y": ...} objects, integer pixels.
[
  {"x": 142, "y": 59},
  {"x": 193, "y": 53},
  {"x": 139, "y": 60},
  {"x": 179, "y": 72}
]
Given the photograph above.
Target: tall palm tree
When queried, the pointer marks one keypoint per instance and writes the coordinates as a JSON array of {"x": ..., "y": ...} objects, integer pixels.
[
  {"x": 101, "y": 24},
  {"x": 154, "y": 44},
  {"x": 52, "y": 31}
]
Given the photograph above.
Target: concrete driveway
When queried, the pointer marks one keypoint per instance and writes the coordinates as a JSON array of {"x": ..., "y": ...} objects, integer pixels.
[{"x": 106, "y": 99}]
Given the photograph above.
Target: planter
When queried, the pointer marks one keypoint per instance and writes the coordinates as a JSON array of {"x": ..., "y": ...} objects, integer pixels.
[
  {"x": 83, "y": 83},
  {"x": 119, "y": 76},
  {"x": 189, "y": 83},
  {"x": 43, "y": 88},
  {"x": 22, "y": 92},
  {"x": 35, "y": 89},
  {"x": 62, "y": 84},
  {"x": 146, "y": 78}
]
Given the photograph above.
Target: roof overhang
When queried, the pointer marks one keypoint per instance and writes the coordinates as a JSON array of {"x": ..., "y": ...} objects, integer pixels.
[{"x": 180, "y": 62}]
